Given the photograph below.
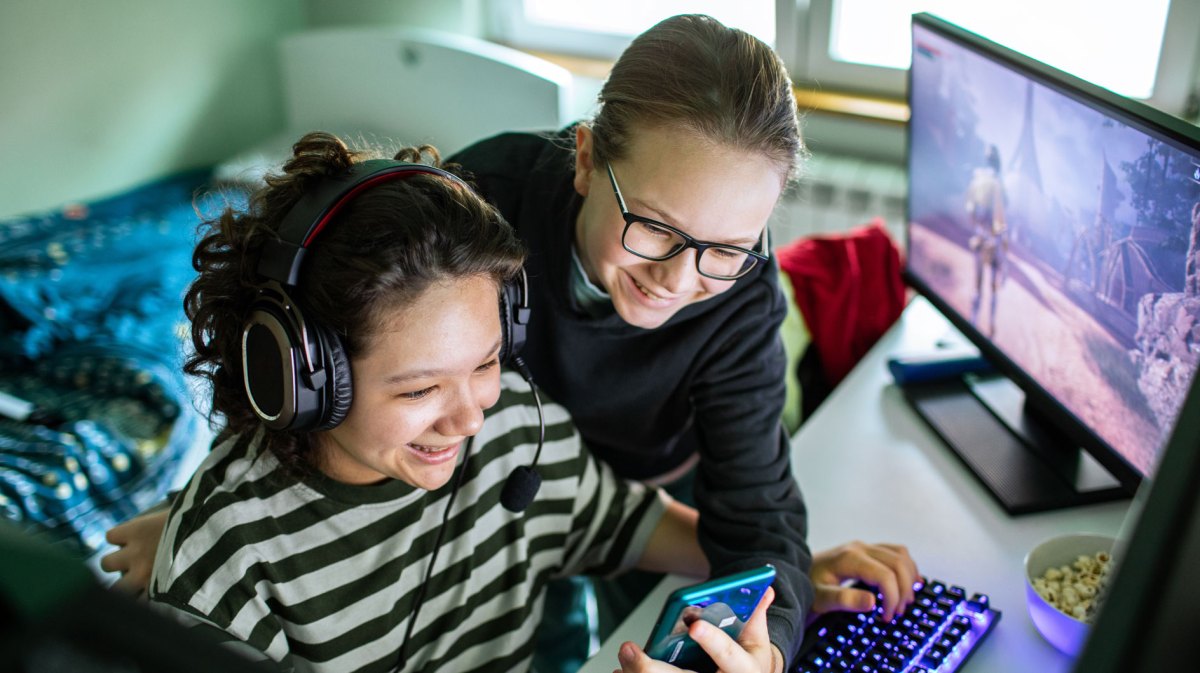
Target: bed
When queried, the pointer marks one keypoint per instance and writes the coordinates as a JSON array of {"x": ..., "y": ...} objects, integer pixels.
[
  {"x": 92, "y": 330},
  {"x": 93, "y": 336}
]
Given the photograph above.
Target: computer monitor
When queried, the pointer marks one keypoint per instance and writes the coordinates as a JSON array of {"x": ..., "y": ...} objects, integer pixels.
[
  {"x": 1149, "y": 611},
  {"x": 1057, "y": 226}
]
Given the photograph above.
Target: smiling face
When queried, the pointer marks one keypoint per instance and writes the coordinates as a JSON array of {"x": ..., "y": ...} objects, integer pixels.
[
  {"x": 713, "y": 193},
  {"x": 420, "y": 388}
]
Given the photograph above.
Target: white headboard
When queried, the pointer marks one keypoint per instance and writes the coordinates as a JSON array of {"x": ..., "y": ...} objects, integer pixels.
[
  {"x": 404, "y": 86},
  {"x": 418, "y": 86}
]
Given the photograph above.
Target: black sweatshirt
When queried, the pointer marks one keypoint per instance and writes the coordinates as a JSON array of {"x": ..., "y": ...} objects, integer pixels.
[{"x": 709, "y": 380}]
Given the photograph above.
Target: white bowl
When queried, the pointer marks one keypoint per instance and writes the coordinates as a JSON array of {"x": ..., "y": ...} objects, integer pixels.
[{"x": 1061, "y": 629}]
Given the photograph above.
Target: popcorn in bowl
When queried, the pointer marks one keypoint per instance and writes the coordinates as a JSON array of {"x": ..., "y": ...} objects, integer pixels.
[
  {"x": 1064, "y": 580},
  {"x": 1073, "y": 589}
]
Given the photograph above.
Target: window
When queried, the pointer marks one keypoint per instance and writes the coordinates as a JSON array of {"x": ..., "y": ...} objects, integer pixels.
[
  {"x": 603, "y": 28},
  {"x": 1144, "y": 50}
]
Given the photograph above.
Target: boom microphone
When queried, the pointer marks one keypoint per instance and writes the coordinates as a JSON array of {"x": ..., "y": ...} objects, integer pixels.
[{"x": 523, "y": 483}]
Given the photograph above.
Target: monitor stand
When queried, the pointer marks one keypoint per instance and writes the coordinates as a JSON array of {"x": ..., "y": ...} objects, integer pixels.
[{"x": 1023, "y": 460}]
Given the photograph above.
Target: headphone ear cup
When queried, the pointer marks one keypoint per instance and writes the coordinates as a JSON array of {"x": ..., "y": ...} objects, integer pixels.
[
  {"x": 339, "y": 385},
  {"x": 514, "y": 316},
  {"x": 275, "y": 370},
  {"x": 267, "y": 367},
  {"x": 506, "y": 337}
]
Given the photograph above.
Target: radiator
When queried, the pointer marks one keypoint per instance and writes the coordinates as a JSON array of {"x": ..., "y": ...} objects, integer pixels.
[{"x": 836, "y": 193}]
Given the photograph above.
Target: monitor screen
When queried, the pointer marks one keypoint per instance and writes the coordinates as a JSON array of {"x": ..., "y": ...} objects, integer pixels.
[{"x": 1058, "y": 226}]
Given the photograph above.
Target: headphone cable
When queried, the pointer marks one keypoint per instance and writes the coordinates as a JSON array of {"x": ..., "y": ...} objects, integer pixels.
[
  {"x": 524, "y": 481},
  {"x": 437, "y": 545}
]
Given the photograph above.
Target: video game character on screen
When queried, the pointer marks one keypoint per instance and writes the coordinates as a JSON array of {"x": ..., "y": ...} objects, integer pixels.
[{"x": 989, "y": 240}]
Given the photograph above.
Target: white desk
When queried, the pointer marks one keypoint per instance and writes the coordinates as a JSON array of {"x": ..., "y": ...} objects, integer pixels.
[{"x": 870, "y": 469}]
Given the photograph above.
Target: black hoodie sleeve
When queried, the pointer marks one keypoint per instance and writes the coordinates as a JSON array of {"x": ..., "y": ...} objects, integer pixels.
[{"x": 751, "y": 509}]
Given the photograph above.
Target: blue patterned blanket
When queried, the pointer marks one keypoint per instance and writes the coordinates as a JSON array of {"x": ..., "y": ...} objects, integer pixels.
[{"x": 92, "y": 331}]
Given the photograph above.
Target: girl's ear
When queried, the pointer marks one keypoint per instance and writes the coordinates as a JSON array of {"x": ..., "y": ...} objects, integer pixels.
[{"x": 584, "y": 165}]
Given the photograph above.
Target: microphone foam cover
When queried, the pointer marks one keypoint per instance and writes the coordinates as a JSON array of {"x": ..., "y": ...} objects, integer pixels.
[{"x": 520, "y": 488}]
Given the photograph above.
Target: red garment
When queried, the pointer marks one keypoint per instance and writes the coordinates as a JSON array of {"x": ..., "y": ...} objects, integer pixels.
[{"x": 849, "y": 289}]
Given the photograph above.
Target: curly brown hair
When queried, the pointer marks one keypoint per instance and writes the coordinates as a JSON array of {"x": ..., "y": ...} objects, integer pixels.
[{"x": 382, "y": 250}]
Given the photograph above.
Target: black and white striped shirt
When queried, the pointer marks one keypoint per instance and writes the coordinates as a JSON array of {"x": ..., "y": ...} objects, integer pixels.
[{"x": 320, "y": 575}]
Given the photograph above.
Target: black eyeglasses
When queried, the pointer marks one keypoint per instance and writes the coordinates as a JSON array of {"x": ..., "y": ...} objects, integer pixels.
[{"x": 658, "y": 241}]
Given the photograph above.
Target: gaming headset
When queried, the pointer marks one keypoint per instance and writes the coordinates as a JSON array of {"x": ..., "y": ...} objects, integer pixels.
[{"x": 295, "y": 371}]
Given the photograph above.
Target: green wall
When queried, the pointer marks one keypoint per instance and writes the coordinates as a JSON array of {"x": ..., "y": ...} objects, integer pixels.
[
  {"x": 96, "y": 97},
  {"x": 455, "y": 16}
]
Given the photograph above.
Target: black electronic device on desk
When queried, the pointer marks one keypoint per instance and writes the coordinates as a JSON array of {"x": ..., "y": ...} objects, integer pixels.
[
  {"x": 1057, "y": 226},
  {"x": 938, "y": 632},
  {"x": 56, "y": 616},
  {"x": 1149, "y": 610}
]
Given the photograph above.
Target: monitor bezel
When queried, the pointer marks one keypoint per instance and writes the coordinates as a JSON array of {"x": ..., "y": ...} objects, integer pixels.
[{"x": 1137, "y": 115}]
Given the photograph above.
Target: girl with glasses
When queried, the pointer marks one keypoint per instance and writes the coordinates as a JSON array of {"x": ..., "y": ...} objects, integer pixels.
[{"x": 656, "y": 306}]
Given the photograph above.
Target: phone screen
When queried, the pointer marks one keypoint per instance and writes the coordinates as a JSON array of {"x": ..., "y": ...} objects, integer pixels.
[{"x": 725, "y": 602}]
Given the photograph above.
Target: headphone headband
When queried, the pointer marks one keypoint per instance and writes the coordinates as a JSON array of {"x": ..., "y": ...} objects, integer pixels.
[
  {"x": 281, "y": 259},
  {"x": 296, "y": 373}
]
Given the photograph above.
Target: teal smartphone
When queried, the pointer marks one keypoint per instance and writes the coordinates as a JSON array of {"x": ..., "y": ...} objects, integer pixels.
[{"x": 725, "y": 602}]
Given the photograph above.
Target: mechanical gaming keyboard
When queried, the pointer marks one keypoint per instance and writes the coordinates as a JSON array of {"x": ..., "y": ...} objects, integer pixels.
[{"x": 937, "y": 633}]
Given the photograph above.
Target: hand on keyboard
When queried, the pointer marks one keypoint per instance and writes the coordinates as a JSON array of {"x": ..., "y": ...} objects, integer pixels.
[
  {"x": 885, "y": 566},
  {"x": 937, "y": 632}
]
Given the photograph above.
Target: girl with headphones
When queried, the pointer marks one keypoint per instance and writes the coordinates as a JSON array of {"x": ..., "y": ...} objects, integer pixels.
[{"x": 352, "y": 512}]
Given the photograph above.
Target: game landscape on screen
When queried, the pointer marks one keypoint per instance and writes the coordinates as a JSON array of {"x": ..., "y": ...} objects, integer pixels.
[{"x": 1066, "y": 236}]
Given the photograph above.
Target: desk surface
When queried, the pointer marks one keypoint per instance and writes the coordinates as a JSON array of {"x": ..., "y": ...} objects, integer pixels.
[{"x": 867, "y": 434}]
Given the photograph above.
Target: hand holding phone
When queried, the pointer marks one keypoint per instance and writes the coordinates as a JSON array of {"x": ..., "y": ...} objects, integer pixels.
[{"x": 725, "y": 602}]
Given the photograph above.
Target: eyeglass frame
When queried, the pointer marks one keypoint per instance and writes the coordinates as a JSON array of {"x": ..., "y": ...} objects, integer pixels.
[{"x": 688, "y": 241}]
